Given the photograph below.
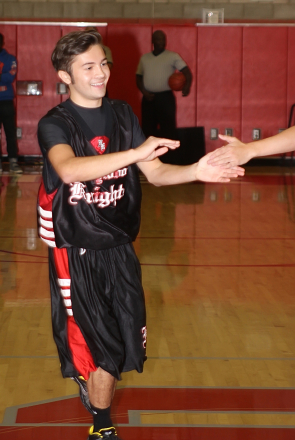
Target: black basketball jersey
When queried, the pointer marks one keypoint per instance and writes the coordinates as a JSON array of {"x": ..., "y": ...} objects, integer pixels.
[{"x": 96, "y": 214}]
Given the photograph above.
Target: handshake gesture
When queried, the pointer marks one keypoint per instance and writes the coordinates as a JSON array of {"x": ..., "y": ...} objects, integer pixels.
[
  {"x": 220, "y": 165},
  {"x": 206, "y": 170}
]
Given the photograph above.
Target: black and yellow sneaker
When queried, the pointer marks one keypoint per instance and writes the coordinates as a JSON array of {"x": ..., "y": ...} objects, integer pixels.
[
  {"x": 105, "y": 433},
  {"x": 84, "y": 393}
]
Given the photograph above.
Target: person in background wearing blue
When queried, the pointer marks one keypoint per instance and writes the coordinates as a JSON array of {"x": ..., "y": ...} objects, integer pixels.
[{"x": 8, "y": 67}]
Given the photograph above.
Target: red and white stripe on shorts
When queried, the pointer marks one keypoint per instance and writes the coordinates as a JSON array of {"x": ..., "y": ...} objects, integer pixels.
[
  {"x": 82, "y": 357},
  {"x": 46, "y": 232}
]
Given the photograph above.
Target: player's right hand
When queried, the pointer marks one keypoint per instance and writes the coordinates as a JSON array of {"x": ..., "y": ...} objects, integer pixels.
[{"x": 154, "y": 147}]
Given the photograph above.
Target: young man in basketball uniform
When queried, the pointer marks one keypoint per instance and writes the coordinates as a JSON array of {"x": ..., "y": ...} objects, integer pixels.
[{"x": 89, "y": 214}]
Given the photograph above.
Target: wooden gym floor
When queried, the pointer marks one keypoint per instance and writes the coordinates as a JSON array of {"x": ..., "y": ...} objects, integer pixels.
[{"x": 218, "y": 266}]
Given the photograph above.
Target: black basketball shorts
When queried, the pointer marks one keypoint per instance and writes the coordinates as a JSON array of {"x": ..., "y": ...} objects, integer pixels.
[{"x": 98, "y": 310}]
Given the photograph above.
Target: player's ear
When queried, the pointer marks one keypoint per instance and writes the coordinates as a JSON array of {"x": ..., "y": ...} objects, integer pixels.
[{"x": 64, "y": 76}]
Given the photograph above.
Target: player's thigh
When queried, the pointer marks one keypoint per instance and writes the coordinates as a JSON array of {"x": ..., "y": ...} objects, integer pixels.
[
  {"x": 92, "y": 290},
  {"x": 129, "y": 302}
]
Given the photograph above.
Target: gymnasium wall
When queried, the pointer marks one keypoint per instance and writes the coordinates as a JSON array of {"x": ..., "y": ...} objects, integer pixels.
[
  {"x": 243, "y": 75},
  {"x": 145, "y": 9}
]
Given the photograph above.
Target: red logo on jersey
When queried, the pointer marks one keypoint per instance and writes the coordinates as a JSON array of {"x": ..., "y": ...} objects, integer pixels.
[{"x": 100, "y": 143}]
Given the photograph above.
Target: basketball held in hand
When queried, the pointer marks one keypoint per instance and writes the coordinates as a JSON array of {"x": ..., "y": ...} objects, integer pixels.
[{"x": 176, "y": 81}]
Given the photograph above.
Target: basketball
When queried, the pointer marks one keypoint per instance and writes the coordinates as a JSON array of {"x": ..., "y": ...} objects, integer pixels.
[{"x": 176, "y": 81}]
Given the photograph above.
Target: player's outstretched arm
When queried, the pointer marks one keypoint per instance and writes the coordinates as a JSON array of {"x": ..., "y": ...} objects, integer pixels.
[
  {"x": 238, "y": 153},
  {"x": 160, "y": 174},
  {"x": 73, "y": 169}
]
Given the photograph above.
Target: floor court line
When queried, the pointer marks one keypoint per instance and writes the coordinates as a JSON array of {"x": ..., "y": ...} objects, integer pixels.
[
  {"x": 196, "y": 238},
  {"x": 222, "y": 408},
  {"x": 215, "y": 238},
  {"x": 197, "y": 358},
  {"x": 22, "y": 254},
  {"x": 175, "y": 265},
  {"x": 13, "y": 236},
  {"x": 23, "y": 262},
  {"x": 217, "y": 265},
  {"x": 155, "y": 433}
]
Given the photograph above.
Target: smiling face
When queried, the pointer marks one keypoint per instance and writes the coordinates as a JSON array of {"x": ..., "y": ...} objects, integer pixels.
[{"x": 88, "y": 79}]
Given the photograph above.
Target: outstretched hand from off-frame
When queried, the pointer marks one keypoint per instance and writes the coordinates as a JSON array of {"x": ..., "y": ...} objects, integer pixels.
[
  {"x": 209, "y": 173},
  {"x": 231, "y": 155}
]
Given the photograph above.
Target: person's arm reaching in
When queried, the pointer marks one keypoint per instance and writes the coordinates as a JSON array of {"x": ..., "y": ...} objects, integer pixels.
[
  {"x": 238, "y": 153},
  {"x": 160, "y": 174}
]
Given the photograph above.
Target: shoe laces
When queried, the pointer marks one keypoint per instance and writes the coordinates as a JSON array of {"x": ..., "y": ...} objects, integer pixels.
[{"x": 104, "y": 433}]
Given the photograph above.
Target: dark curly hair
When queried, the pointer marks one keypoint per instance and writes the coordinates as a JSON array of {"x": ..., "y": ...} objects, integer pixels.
[{"x": 71, "y": 45}]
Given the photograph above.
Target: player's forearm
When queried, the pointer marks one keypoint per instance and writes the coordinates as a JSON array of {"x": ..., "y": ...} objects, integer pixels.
[
  {"x": 76, "y": 169},
  {"x": 278, "y": 144},
  {"x": 166, "y": 174}
]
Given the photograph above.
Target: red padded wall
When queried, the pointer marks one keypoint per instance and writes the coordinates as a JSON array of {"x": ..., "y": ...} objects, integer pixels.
[
  {"x": 9, "y": 32},
  {"x": 183, "y": 40},
  {"x": 219, "y": 81},
  {"x": 243, "y": 75},
  {"x": 34, "y": 48},
  {"x": 128, "y": 43},
  {"x": 290, "y": 77},
  {"x": 291, "y": 71},
  {"x": 264, "y": 92}
]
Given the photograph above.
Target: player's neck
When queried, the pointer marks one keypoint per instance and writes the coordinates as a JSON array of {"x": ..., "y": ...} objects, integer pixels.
[{"x": 86, "y": 103}]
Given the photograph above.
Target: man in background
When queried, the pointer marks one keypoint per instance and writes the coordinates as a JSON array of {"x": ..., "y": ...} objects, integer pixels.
[
  {"x": 158, "y": 101},
  {"x": 8, "y": 67}
]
